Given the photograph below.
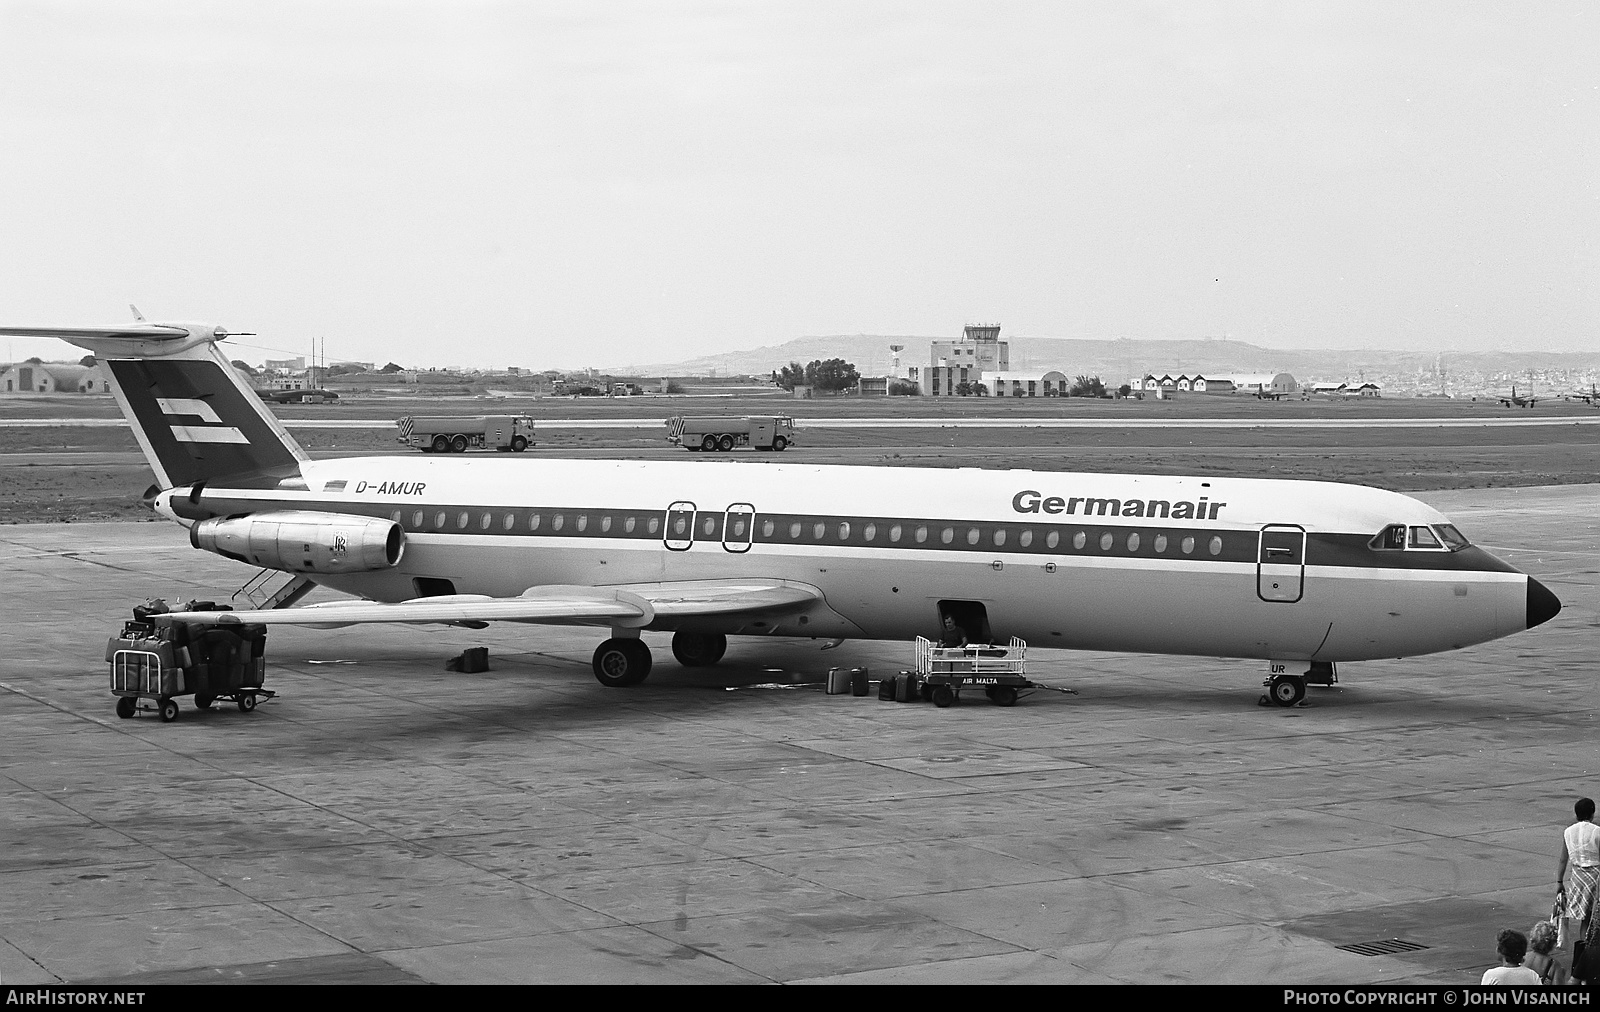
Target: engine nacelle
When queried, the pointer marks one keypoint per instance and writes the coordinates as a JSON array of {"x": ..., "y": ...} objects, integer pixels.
[{"x": 300, "y": 541}]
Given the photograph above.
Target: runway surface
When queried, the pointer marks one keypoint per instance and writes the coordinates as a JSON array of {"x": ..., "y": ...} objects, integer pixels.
[{"x": 386, "y": 821}]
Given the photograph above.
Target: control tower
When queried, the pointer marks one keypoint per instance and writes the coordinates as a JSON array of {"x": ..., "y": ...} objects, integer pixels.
[{"x": 952, "y": 363}]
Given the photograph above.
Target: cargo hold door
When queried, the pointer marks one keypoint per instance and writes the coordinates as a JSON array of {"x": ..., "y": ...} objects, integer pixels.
[{"x": 1281, "y": 563}]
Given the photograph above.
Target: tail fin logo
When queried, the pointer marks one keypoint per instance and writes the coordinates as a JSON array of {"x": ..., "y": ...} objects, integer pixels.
[{"x": 183, "y": 408}]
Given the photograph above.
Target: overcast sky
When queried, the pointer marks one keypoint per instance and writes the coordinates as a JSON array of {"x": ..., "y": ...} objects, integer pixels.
[{"x": 594, "y": 183}]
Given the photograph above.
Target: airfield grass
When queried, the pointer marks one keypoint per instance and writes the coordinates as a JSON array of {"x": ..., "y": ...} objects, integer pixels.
[{"x": 78, "y": 473}]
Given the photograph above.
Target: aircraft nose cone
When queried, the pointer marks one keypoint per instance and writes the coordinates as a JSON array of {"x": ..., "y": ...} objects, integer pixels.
[{"x": 1542, "y": 605}]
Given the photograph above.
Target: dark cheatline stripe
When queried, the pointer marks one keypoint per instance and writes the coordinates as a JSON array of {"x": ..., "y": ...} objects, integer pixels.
[
  {"x": 836, "y": 531},
  {"x": 1352, "y": 550}
]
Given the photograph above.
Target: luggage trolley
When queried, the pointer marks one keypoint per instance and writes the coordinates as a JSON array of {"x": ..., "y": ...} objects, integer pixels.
[
  {"x": 159, "y": 660},
  {"x": 1000, "y": 671}
]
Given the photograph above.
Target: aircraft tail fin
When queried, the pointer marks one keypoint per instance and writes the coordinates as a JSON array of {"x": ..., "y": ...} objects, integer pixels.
[{"x": 195, "y": 417}]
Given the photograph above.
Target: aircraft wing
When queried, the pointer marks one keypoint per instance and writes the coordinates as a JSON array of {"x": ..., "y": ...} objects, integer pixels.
[{"x": 628, "y": 606}]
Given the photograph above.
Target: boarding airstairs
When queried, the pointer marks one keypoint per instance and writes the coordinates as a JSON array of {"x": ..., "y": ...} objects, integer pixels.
[{"x": 272, "y": 588}]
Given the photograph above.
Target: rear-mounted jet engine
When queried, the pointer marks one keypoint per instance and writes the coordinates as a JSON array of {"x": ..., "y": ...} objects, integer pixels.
[{"x": 303, "y": 542}]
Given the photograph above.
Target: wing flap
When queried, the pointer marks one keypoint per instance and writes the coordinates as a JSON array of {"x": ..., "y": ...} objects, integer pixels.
[{"x": 688, "y": 598}]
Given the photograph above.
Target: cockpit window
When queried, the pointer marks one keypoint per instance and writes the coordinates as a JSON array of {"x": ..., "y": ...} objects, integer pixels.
[
  {"x": 1452, "y": 538},
  {"x": 1422, "y": 537},
  {"x": 1390, "y": 539},
  {"x": 1418, "y": 538}
]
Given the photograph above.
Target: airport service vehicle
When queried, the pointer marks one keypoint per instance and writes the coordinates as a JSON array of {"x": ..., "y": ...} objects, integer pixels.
[
  {"x": 724, "y": 432},
  {"x": 1301, "y": 574},
  {"x": 458, "y": 434}
]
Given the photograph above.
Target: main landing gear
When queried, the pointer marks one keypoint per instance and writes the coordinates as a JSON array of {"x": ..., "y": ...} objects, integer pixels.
[
  {"x": 623, "y": 661},
  {"x": 698, "y": 650}
]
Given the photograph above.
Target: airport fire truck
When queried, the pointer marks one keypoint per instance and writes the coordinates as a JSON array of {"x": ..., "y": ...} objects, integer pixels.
[
  {"x": 444, "y": 434},
  {"x": 718, "y": 432}
]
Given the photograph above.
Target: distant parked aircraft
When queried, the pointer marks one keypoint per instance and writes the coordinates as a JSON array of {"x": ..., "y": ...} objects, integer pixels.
[
  {"x": 1518, "y": 402},
  {"x": 317, "y": 395}
]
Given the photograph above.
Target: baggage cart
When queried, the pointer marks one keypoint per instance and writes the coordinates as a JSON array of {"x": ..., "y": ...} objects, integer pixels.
[
  {"x": 156, "y": 660},
  {"x": 1001, "y": 672}
]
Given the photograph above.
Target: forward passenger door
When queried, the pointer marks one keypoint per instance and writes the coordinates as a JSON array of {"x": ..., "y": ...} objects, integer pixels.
[{"x": 1281, "y": 563}]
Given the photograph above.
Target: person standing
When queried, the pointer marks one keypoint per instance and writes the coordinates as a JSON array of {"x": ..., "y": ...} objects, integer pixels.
[{"x": 1578, "y": 874}]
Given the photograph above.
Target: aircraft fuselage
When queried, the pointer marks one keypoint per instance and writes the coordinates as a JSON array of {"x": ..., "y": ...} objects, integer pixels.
[{"x": 1271, "y": 569}]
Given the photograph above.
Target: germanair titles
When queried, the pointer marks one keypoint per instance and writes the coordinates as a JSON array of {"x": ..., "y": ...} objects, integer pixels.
[{"x": 1029, "y": 501}]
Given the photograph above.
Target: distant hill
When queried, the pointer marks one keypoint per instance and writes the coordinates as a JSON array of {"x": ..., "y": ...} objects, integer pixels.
[{"x": 1116, "y": 361}]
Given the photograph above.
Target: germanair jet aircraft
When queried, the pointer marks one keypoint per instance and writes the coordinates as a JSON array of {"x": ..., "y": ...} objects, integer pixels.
[{"x": 1298, "y": 573}]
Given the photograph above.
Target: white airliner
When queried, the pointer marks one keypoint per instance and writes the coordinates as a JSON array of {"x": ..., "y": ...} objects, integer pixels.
[{"x": 1302, "y": 574}]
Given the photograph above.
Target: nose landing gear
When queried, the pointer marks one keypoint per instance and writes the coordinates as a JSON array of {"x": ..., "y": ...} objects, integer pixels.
[{"x": 1284, "y": 689}]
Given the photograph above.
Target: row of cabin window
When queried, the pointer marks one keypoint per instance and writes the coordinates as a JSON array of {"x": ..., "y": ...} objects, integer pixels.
[
  {"x": 557, "y": 521},
  {"x": 998, "y": 537},
  {"x": 819, "y": 530}
]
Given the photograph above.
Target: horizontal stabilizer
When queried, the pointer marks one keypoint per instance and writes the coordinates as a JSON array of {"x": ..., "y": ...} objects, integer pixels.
[
  {"x": 138, "y": 331},
  {"x": 195, "y": 417},
  {"x": 632, "y": 605}
]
